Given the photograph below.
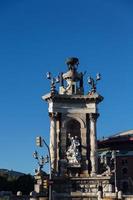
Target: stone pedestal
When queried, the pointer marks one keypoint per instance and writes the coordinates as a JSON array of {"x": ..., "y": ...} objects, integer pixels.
[
  {"x": 41, "y": 186},
  {"x": 77, "y": 187}
]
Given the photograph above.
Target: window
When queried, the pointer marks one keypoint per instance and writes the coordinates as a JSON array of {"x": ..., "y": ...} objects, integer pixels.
[
  {"x": 125, "y": 187},
  {"x": 124, "y": 162},
  {"x": 124, "y": 171}
]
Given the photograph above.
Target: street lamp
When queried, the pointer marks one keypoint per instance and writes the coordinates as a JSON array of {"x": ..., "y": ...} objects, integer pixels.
[
  {"x": 53, "y": 81},
  {"x": 41, "y": 160},
  {"x": 114, "y": 157},
  {"x": 39, "y": 142},
  {"x": 93, "y": 82}
]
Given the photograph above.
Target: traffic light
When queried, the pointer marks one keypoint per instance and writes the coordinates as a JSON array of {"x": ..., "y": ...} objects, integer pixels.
[
  {"x": 45, "y": 183},
  {"x": 39, "y": 141}
]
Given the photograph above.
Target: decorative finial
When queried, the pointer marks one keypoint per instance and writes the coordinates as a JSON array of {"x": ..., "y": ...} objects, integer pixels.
[
  {"x": 93, "y": 82},
  {"x": 72, "y": 63},
  {"x": 53, "y": 80}
]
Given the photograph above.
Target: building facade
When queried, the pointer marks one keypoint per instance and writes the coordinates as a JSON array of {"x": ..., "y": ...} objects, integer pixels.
[{"x": 122, "y": 144}]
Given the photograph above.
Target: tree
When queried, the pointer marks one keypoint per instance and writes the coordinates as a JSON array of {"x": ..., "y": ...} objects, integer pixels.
[{"x": 25, "y": 184}]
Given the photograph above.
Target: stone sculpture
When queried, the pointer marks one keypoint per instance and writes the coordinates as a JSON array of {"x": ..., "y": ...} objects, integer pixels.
[{"x": 73, "y": 154}]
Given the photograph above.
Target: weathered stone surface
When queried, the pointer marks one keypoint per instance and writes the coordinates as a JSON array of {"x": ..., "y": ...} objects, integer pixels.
[{"x": 77, "y": 116}]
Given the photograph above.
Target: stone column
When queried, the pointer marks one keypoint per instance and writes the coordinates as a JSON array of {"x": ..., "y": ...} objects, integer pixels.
[
  {"x": 53, "y": 142},
  {"x": 93, "y": 143},
  {"x": 62, "y": 159},
  {"x": 84, "y": 153},
  {"x": 57, "y": 141}
]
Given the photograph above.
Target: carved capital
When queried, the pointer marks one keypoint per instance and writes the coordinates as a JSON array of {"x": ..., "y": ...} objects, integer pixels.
[
  {"x": 53, "y": 115},
  {"x": 93, "y": 116},
  {"x": 58, "y": 116}
]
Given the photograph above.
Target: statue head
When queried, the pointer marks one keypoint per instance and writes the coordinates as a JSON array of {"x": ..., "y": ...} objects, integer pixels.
[{"x": 72, "y": 63}]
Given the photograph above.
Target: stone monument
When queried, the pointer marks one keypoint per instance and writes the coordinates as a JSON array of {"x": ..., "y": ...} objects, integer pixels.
[{"x": 73, "y": 138}]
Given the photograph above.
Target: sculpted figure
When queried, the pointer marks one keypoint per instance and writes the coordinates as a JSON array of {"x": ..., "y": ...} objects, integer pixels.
[{"x": 73, "y": 153}]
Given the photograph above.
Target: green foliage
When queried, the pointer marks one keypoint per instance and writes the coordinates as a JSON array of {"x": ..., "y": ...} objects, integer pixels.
[
  {"x": 24, "y": 183},
  {"x": 3, "y": 183}
]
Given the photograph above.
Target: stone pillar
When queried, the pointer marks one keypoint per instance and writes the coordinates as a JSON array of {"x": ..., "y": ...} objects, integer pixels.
[
  {"x": 63, "y": 161},
  {"x": 33, "y": 198},
  {"x": 33, "y": 195},
  {"x": 84, "y": 153},
  {"x": 120, "y": 195},
  {"x": 19, "y": 193},
  {"x": 53, "y": 143},
  {"x": 110, "y": 188},
  {"x": 99, "y": 195},
  {"x": 57, "y": 139},
  {"x": 93, "y": 143}
]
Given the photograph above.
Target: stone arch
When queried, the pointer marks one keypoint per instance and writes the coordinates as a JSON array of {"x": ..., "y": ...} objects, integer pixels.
[
  {"x": 73, "y": 127},
  {"x": 80, "y": 132},
  {"x": 66, "y": 121}
]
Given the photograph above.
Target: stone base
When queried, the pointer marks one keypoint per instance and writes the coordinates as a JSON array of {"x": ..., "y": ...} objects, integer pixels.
[{"x": 80, "y": 187}]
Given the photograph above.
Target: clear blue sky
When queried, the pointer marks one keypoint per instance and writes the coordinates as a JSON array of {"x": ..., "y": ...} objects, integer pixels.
[{"x": 36, "y": 37}]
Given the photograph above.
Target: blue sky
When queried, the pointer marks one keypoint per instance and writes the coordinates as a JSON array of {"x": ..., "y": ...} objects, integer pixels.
[{"x": 36, "y": 37}]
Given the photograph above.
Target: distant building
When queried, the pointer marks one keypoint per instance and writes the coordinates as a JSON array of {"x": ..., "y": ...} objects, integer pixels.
[{"x": 122, "y": 143}]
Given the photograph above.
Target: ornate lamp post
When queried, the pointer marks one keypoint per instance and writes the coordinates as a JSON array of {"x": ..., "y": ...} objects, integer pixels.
[
  {"x": 93, "y": 82},
  {"x": 40, "y": 142},
  {"x": 53, "y": 81},
  {"x": 114, "y": 157},
  {"x": 41, "y": 160}
]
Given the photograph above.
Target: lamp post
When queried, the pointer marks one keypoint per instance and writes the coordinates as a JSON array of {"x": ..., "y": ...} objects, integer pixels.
[
  {"x": 53, "y": 81},
  {"x": 93, "y": 82},
  {"x": 39, "y": 142},
  {"x": 114, "y": 152},
  {"x": 41, "y": 160}
]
